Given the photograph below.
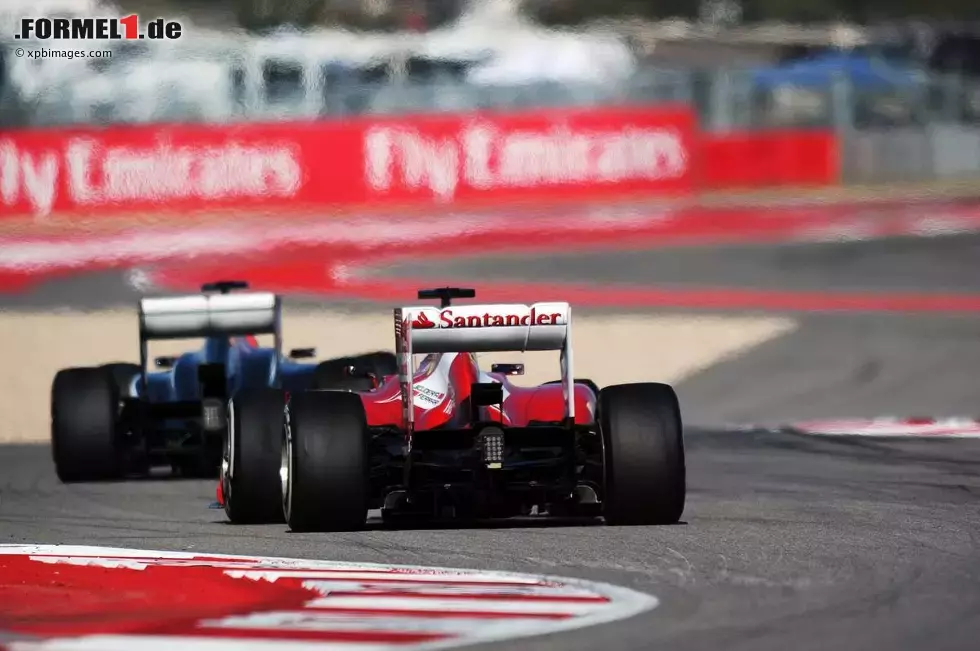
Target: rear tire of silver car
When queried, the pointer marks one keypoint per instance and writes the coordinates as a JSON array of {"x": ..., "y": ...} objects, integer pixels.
[
  {"x": 327, "y": 378},
  {"x": 84, "y": 414},
  {"x": 643, "y": 442},
  {"x": 331, "y": 374},
  {"x": 123, "y": 374},
  {"x": 326, "y": 486},
  {"x": 250, "y": 472}
]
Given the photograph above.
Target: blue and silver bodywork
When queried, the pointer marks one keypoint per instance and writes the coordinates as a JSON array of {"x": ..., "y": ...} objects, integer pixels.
[
  {"x": 177, "y": 415},
  {"x": 245, "y": 364}
]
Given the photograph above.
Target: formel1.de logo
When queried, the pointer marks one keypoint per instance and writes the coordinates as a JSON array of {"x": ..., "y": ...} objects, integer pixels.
[{"x": 98, "y": 29}]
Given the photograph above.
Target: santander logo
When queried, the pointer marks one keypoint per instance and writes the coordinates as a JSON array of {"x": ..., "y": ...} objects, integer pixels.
[{"x": 488, "y": 318}]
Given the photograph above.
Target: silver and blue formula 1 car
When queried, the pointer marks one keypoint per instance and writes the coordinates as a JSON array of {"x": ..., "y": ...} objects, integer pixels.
[{"x": 122, "y": 419}]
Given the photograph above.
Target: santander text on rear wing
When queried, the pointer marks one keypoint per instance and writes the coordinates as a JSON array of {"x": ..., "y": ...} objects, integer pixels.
[{"x": 483, "y": 328}]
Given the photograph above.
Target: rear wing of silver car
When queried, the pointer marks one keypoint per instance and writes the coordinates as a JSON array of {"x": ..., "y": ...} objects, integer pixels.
[
  {"x": 209, "y": 315},
  {"x": 482, "y": 328}
]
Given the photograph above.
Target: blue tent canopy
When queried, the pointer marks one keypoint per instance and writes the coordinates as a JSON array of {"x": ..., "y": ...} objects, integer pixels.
[{"x": 863, "y": 72}]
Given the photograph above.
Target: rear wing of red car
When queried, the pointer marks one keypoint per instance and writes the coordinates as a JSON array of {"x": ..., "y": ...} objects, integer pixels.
[{"x": 482, "y": 328}]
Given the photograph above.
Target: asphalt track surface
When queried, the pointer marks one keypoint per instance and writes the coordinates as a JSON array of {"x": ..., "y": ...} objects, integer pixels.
[
  {"x": 789, "y": 541},
  {"x": 946, "y": 264}
]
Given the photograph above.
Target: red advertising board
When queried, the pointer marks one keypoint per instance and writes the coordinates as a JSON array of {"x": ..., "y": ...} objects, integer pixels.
[
  {"x": 407, "y": 160},
  {"x": 759, "y": 159}
]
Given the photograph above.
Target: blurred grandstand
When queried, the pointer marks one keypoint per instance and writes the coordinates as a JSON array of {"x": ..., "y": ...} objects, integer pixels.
[{"x": 487, "y": 55}]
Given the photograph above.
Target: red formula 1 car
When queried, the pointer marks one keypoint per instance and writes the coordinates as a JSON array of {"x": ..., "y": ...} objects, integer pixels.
[{"x": 447, "y": 439}]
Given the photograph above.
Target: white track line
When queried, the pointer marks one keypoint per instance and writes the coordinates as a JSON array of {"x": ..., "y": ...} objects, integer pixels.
[
  {"x": 329, "y": 575},
  {"x": 516, "y": 607},
  {"x": 326, "y": 621},
  {"x": 892, "y": 427},
  {"x": 372, "y": 586}
]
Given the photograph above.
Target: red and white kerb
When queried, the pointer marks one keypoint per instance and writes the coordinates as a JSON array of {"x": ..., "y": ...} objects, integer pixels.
[{"x": 106, "y": 599}]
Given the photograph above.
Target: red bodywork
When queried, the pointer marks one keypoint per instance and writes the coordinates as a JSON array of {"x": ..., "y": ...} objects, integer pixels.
[{"x": 441, "y": 388}]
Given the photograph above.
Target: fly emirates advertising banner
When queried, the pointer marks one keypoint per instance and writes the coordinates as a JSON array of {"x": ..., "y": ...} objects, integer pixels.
[{"x": 424, "y": 161}]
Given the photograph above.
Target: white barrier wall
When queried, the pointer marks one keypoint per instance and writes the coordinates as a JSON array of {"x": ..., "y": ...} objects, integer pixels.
[{"x": 939, "y": 152}]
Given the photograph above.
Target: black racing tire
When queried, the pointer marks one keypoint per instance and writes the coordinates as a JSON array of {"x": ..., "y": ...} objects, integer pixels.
[
  {"x": 330, "y": 374},
  {"x": 325, "y": 450},
  {"x": 250, "y": 482},
  {"x": 384, "y": 362},
  {"x": 643, "y": 443},
  {"x": 85, "y": 442},
  {"x": 201, "y": 466},
  {"x": 327, "y": 378},
  {"x": 123, "y": 374}
]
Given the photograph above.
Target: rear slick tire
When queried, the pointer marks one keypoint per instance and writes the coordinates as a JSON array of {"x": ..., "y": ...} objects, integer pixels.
[
  {"x": 251, "y": 483},
  {"x": 325, "y": 455},
  {"x": 331, "y": 374},
  {"x": 85, "y": 442},
  {"x": 123, "y": 374},
  {"x": 642, "y": 435}
]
